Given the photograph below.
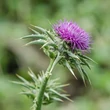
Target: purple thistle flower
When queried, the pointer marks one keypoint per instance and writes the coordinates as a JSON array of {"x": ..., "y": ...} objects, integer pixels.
[{"x": 73, "y": 34}]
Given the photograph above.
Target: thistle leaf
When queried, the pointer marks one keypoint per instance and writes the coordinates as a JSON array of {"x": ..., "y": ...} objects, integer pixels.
[
  {"x": 52, "y": 82},
  {"x": 61, "y": 95},
  {"x": 56, "y": 61},
  {"x": 57, "y": 99},
  {"x": 60, "y": 86},
  {"x": 50, "y": 35},
  {"x": 46, "y": 95},
  {"x": 25, "y": 83},
  {"x": 40, "y": 36},
  {"x": 30, "y": 72},
  {"x": 49, "y": 44},
  {"x": 72, "y": 55},
  {"x": 78, "y": 66},
  {"x": 55, "y": 92},
  {"x": 20, "y": 83},
  {"x": 85, "y": 63},
  {"x": 70, "y": 69},
  {"x": 52, "y": 90},
  {"x": 40, "y": 42},
  {"x": 39, "y": 28},
  {"x": 86, "y": 75},
  {"x": 34, "y": 31},
  {"x": 86, "y": 57},
  {"x": 27, "y": 93},
  {"x": 22, "y": 79}
]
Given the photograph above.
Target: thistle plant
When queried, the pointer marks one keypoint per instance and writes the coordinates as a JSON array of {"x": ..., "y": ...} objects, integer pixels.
[{"x": 65, "y": 44}]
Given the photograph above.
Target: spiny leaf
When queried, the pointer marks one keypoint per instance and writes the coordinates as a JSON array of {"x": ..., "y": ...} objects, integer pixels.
[
  {"x": 55, "y": 92},
  {"x": 40, "y": 42},
  {"x": 26, "y": 93},
  {"x": 46, "y": 44},
  {"x": 85, "y": 63},
  {"x": 88, "y": 58},
  {"x": 34, "y": 30},
  {"x": 40, "y": 78},
  {"x": 55, "y": 80},
  {"x": 46, "y": 95},
  {"x": 49, "y": 44},
  {"x": 70, "y": 69},
  {"x": 86, "y": 75},
  {"x": 56, "y": 61},
  {"x": 64, "y": 85},
  {"x": 78, "y": 66},
  {"x": 22, "y": 79},
  {"x": 20, "y": 83},
  {"x": 34, "y": 104},
  {"x": 32, "y": 75},
  {"x": 39, "y": 28},
  {"x": 40, "y": 36},
  {"x": 72, "y": 55},
  {"x": 50, "y": 35},
  {"x": 24, "y": 84},
  {"x": 57, "y": 99},
  {"x": 52, "y": 82},
  {"x": 61, "y": 95}
]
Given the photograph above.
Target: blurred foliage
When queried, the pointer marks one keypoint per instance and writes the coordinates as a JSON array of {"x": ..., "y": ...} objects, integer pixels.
[{"x": 15, "y": 18}]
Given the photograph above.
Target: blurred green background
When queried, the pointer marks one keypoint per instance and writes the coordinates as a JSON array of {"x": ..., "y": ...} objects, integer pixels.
[{"x": 15, "y": 18}]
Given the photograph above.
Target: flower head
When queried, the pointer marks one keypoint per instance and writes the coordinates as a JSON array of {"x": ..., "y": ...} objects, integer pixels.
[{"x": 73, "y": 34}]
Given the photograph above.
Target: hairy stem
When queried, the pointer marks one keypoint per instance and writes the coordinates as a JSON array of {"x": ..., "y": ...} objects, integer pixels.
[{"x": 43, "y": 86}]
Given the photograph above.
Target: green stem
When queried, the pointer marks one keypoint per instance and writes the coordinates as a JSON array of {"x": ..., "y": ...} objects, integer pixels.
[{"x": 43, "y": 86}]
